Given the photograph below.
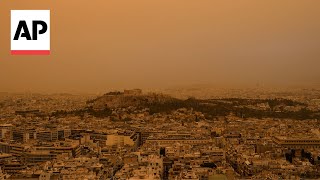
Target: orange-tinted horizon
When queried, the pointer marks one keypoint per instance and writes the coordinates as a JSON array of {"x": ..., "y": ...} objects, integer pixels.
[{"x": 100, "y": 45}]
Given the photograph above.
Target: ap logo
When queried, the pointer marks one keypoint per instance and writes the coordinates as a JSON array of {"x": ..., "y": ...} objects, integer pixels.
[{"x": 30, "y": 32}]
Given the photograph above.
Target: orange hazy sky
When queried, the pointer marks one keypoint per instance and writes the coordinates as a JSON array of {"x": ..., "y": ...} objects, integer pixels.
[{"x": 108, "y": 44}]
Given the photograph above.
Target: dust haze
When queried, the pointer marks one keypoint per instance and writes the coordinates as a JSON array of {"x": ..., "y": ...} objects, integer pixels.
[{"x": 101, "y": 45}]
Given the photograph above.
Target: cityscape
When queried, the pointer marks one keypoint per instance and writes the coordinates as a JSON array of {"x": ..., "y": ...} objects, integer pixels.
[
  {"x": 133, "y": 134},
  {"x": 159, "y": 90}
]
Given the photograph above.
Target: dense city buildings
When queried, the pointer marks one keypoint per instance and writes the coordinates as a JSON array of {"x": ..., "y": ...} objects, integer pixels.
[{"x": 135, "y": 135}]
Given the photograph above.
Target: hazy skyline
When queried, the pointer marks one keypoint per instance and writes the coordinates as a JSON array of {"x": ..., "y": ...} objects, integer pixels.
[{"x": 101, "y": 45}]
